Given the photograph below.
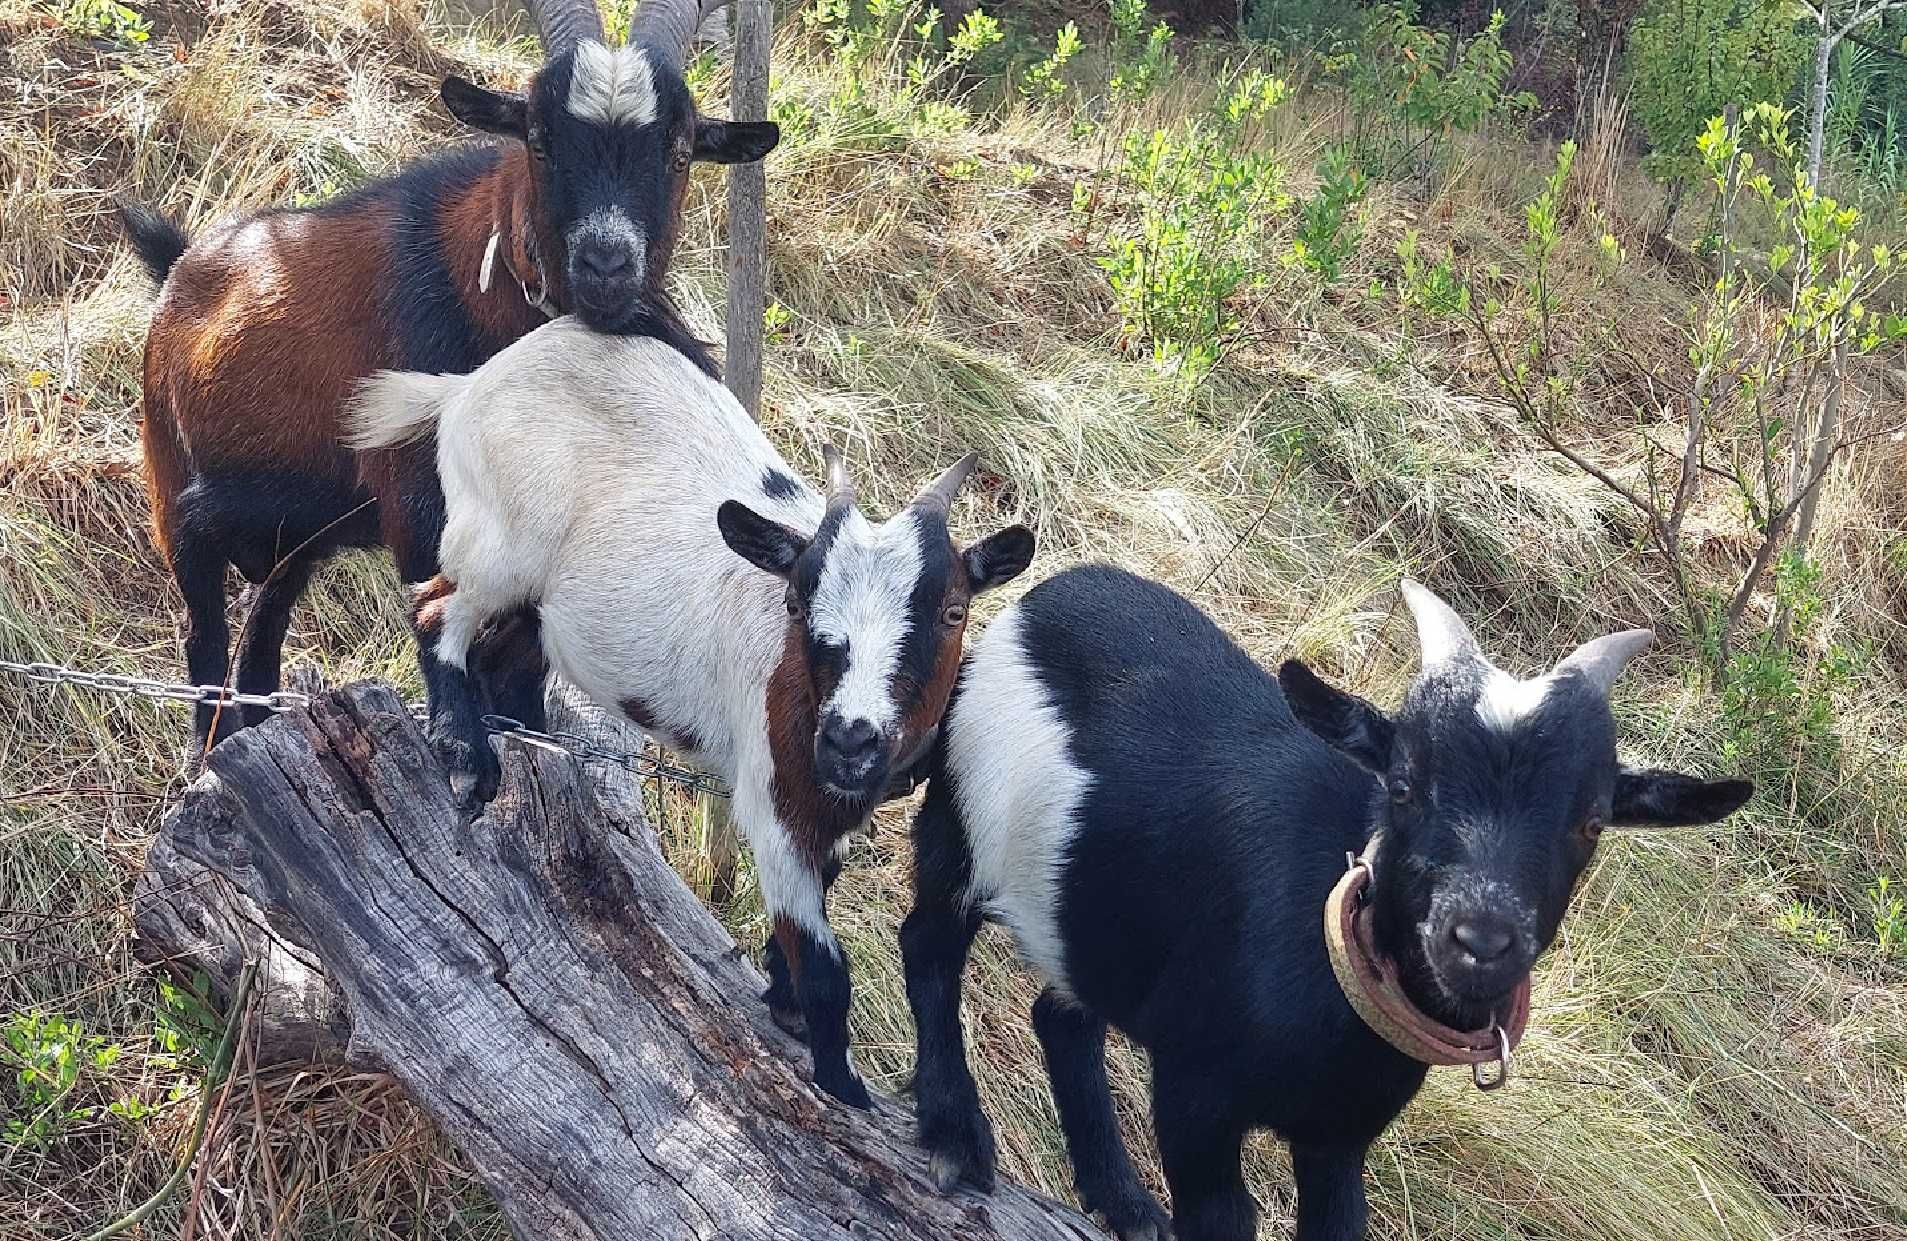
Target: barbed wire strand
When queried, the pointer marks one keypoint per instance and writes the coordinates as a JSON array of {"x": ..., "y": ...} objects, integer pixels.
[{"x": 187, "y": 694}]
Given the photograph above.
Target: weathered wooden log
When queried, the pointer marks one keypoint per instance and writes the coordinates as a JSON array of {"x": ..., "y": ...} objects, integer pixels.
[{"x": 548, "y": 989}]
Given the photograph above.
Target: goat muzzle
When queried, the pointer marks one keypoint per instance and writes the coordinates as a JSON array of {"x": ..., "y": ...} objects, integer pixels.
[{"x": 1371, "y": 983}]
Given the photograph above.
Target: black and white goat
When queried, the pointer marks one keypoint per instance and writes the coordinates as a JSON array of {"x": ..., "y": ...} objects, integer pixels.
[
  {"x": 605, "y": 480},
  {"x": 1160, "y": 824}
]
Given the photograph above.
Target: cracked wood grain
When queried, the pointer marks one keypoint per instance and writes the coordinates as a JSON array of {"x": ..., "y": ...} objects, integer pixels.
[{"x": 546, "y": 987}]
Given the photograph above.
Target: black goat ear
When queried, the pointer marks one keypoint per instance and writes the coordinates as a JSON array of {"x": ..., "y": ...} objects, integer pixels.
[
  {"x": 494, "y": 112},
  {"x": 734, "y": 142},
  {"x": 1652, "y": 798},
  {"x": 998, "y": 558},
  {"x": 768, "y": 545},
  {"x": 1345, "y": 721}
]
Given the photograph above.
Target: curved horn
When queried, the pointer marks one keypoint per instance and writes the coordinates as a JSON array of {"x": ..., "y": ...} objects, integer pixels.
[
  {"x": 1601, "y": 660},
  {"x": 561, "y": 24},
  {"x": 939, "y": 494},
  {"x": 669, "y": 26},
  {"x": 1441, "y": 634},
  {"x": 840, "y": 486}
]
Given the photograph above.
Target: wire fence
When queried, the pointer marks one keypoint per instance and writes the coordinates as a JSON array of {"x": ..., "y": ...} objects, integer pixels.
[{"x": 186, "y": 694}]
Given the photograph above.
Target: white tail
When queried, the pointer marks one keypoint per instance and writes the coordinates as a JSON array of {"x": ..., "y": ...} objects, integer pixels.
[{"x": 396, "y": 407}]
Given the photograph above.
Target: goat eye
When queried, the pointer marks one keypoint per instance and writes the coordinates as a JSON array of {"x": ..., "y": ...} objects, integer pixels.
[
  {"x": 794, "y": 605},
  {"x": 534, "y": 141},
  {"x": 1400, "y": 791},
  {"x": 1592, "y": 828},
  {"x": 679, "y": 160},
  {"x": 953, "y": 615}
]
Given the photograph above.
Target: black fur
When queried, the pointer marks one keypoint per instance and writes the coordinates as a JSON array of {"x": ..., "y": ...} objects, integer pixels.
[
  {"x": 1191, "y": 901},
  {"x": 779, "y": 485},
  {"x": 156, "y": 240}
]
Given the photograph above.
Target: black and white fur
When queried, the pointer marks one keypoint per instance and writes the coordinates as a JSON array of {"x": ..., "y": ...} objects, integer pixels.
[
  {"x": 687, "y": 577},
  {"x": 1159, "y": 823}
]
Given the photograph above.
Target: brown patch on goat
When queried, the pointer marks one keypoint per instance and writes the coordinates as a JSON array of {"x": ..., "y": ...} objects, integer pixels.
[
  {"x": 790, "y": 937},
  {"x": 502, "y": 202},
  {"x": 813, "y": 819},
  {"x": 235, "y": 378},
  {"x": 427, "y": 603},
  {"x": 930, "y": 703},
  {"x": 683, "y": 740}
]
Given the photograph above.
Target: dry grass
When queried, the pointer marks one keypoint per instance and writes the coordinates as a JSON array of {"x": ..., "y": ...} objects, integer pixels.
[{"x": 1706, "y": 1063}]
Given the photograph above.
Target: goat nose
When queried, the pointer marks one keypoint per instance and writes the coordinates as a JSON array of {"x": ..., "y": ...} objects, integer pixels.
[
  {"x": 1486, "y": 939},
  {"x": 603, "y": 260},
  {"x": 852, "y": 743}
]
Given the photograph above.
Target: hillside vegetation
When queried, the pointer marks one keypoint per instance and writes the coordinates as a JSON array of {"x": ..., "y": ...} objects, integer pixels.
[{"x": 1719, "y": 1049}]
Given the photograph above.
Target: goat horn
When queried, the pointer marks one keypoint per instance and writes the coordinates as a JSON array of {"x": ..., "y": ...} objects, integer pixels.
[
  {"x": 1601, "y": 660},
  {"x": 840, "y": 486},
  {"x": 1442, "y": 635},
  {"x": 562, "y": 24},
  {"x": 669, "y": 26},
  {"x": 939, "y": 494}
]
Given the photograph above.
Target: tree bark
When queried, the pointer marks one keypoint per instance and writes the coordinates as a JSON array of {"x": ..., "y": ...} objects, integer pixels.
[
  {"x": 747, "y": 210},
  {"x": 1818, "y": 101},
  {"x": 548, "y": 989}
]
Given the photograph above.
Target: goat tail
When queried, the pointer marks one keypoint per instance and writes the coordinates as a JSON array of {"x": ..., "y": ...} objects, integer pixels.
[
  {"x": 158, "y": 241},
  {"x": 397, "y": 407}
]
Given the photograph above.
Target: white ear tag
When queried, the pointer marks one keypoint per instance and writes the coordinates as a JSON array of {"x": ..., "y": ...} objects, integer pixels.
[{"x": 489, "y": 264}]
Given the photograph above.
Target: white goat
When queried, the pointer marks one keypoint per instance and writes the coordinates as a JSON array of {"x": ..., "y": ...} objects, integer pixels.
[{"x": 608, "y": 482}]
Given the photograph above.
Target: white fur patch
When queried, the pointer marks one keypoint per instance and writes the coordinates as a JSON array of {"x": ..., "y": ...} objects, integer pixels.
[
  {"x": 862, "y": 601},
  {"x": 612, "y": 85},
  {"x": 1019, "y": 793},
  {"x": 1506, "y": 699}
]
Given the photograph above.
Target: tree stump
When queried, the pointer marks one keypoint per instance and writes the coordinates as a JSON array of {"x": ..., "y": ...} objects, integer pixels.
[{"x": 541, "y": 982}]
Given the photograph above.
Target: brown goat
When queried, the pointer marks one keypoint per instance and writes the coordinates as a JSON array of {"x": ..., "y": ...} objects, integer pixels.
[{"x": 265, "y": 324}]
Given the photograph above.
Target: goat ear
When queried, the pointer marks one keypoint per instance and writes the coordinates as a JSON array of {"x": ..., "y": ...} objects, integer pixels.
[
  {"x": 494, "y": 112},
  {"x": 734, "y": 142},
  {"x": 1652, "y": 798},
  {"x": 768, "y": 545},
  {"x": 998, "y": 558},
  {"x": 1344, "y": 721}
]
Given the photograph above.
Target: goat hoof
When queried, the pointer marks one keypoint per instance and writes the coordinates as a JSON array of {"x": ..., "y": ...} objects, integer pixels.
[
  {"x": 790, "y": 1020},
  {"x": 1134, "y": 1216},
  {"x": 846, "y": 1086},
  {"x": 474, "y": 772},
  {"x": 959, "y": 1148}
]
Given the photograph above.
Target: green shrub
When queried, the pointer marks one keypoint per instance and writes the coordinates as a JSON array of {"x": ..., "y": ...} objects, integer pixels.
[
  {"x": 1690, "y": 60},
  {"x": 1202, "y": 195}
]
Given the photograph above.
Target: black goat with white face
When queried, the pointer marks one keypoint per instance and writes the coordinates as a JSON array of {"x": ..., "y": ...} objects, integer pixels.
[
  {"x": 1162, "y": 825},
  {"x": 611, "y": 132}
]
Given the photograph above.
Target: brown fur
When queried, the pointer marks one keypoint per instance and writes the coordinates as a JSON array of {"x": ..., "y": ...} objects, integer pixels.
[
  {"x": 234, "y": 377},
  {"x": 813, "y": 819},
  {"x": 931, "y": 703},
  {"x": 501, "y": 202},
  {"x": 267, "y": 324},
  {"x": 644, "y": 717},
  {"x": 427, "y": 603},
  {"x": 790, "y": 937}
]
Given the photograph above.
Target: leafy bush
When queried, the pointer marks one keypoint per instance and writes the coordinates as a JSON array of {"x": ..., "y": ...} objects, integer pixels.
[
  {"x": 1201, "y": 194},
  {"x": 1690, "y": 60},
  {"x": 1411, "y": 86},
  {"x": 1323, "y": 240},
  {"x": 103, "y": 19}
]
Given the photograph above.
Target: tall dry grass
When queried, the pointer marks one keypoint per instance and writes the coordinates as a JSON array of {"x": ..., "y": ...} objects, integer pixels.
[{"x": 1721, "y": 1049}]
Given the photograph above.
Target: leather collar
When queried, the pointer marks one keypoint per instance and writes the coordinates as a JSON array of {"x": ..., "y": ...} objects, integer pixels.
[{"x": 1370, "y": 982}]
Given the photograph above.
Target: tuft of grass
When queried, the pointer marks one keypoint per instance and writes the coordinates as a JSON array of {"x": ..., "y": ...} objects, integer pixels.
[{"x": 1721, "y": 1042}]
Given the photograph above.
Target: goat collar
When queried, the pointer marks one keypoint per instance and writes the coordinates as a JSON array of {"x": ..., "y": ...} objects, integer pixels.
[
  {"x": 524, "y": 253},
  {"x": 1371, "y": 984}
]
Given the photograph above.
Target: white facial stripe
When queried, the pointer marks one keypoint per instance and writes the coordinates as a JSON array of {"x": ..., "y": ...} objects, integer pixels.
[
  {"x": 612, "y": 85},
  {"x": 862, "y": 601},
  {"x": 1506, "y": 699}
]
